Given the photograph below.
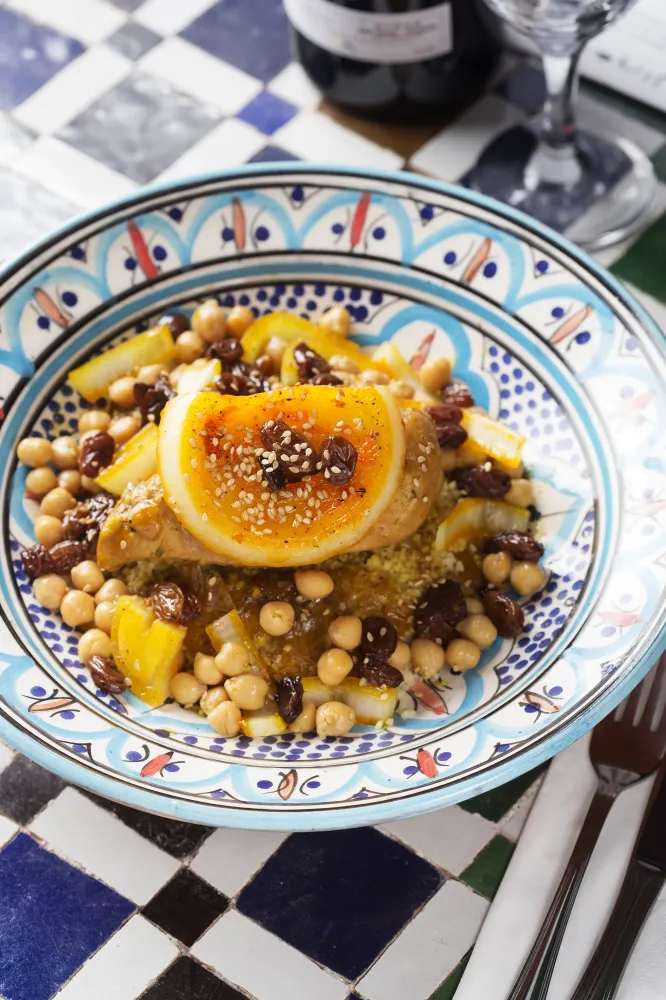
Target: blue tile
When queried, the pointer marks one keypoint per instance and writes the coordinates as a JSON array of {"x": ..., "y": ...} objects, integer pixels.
[
  {"x": 525, "y": 87},
  {"x": 271, "y": 154},
  {"x": 339, "y": 897},
  {"x": 250, "y": 34},
  {"x": 267, "y": 112},
  {"x": 30, "y": 54},
  {"x": 52, "y": 918}
]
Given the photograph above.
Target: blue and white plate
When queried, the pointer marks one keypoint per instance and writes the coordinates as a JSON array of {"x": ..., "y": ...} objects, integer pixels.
[{"x": 547, "y": 340}]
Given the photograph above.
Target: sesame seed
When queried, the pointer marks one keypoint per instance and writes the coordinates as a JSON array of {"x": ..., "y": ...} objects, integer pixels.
[
  {"x": 193, "y": 463},
  {"x": 186, "y": 477},
  {"x": 123, "y": 544}
]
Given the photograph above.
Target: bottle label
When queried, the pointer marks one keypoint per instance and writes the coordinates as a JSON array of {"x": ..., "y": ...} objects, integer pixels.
[{"x": 370, "y": 37}]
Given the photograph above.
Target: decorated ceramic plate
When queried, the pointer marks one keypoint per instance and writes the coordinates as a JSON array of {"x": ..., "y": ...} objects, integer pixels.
[{"x": 551, "y": 350}]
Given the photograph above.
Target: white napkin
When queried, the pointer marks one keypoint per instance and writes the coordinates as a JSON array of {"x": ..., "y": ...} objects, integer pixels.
[{"x": 532, "y": 877}]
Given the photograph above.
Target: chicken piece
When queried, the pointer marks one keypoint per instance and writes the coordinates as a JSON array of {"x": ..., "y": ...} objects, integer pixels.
[{"x": 142, "y": 526}]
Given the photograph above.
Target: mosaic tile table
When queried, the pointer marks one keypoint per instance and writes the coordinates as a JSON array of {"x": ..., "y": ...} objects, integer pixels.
[{"x": 97, "y": 901}]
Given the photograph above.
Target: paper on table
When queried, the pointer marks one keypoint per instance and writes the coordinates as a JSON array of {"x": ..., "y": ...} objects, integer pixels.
[{"x": 531, "y": 879}]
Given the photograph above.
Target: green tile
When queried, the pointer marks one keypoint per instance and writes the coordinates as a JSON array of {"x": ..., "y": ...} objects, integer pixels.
[
  {"x": 495, "y": 804},
  {"x": 487, "y": 870},
  {"x": 625, "y": 105},
  {"x": 643, "y": 263},
  {"x": 448, "y": 988},
  {"x": 659, "y": 163}
]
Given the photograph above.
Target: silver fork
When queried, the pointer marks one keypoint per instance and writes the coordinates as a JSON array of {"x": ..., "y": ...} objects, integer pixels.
[{"x": 628, "y": 745}]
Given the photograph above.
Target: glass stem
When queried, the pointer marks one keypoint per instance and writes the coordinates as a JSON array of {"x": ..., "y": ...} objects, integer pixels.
[{"x": 555, "y": 160}]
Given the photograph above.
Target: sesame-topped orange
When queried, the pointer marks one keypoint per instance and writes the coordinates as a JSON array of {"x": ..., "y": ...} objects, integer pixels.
[{"x": 284, "y": 478}]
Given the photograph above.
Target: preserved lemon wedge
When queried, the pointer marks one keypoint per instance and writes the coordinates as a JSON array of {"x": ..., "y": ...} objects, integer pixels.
[
  {"x": 388, "y": 358},
  {"x": 93, "y": 378},
  {"x": 145, "y": 649},
  {"x": 474, "y": 518},
  {"x": 493, "y": 438},
  {"x": 326, "y": 344},
  {"x": 371, "y": 704},
  {"x": 209, "y": 462},
  {"x": 286, "y": 326},
  {"x": 135, "y": 462}
]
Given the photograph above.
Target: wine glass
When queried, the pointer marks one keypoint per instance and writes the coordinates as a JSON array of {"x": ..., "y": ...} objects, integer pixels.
[{"x": 597, "y": 189}]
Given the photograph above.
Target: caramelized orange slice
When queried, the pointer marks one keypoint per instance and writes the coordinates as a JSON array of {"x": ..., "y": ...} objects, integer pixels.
[{"x": 209, "y": 461}]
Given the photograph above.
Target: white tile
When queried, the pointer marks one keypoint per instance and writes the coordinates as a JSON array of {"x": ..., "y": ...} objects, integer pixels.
[
  {"x": 512, "y": 825},
  {"x": 125, "y": 966},
  {"x": 229, "y": 858},
  {"x": 168, "y": 17},
  {"x": 230, "y": 144},
  {"x": 450, "y": 838},
  {"x": 450, "y": 153},
  {"x": 429, "y": 948},
  {"x": 72, "y": 174},
  {"x": 73, "y": 89},
  {"x": 248, "y": 956},
  {"x": 294, "y": 85},
  {"x": 96, "y": 840},
  {"x": 88, "y": 20},
  {"x": 656, "y": 309},
  {"x": 6, "y": 755},
  {"x": 7, "y": 830},
  {"x": 608, "y": 256},
  {"x": 312, "y": 134},
  {"x": 195, "y": 72},
  {"x": 605, "y": 120}
]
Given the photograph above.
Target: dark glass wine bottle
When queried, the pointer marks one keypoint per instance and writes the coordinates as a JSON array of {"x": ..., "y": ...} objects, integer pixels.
[{"x": 399, "y": 60}]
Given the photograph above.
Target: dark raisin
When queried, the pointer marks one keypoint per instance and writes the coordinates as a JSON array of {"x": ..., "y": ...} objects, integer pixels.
[
  {"x": 518, "y": 544},
  {"x": 266, "y": 366},
  {"x": 289, "y": 698},
  {"x": 172, "y": 604},
  {"x": 228, "y": 351},
  {"x": 106, "y": 677},
  {"x": 379, "y": 673},
  {"x": 191, "y": 608},
  {"x": 309, "y": 363},
  {"x": 445, "y": 413},
  {"x": 234, "y": 385},
  {"x": 535, "y": 515},
  {"x": 96, "y": 453},
  {"x": 253, "y": 375},
  {"x": 457, "y": 393},
  {"x": 451, "y": 435},
  {"x": 83, "y": 523},
  {"x": 439, "y": 611},
  {"x": 292, "y": 452},
  {"x": 327, "y": 378},
  {"x": 66, "y": 555},
  {"x": 505, "y": 614},
  {"x": 36, "y": 561},
  {"x": 481, "y": 482},
  {"x": 378, "y": 639},
  {"x": 151, "y": 399},
  {"x": 177, "y": 323},
  {"x": 274, "y": 474},
  {"x": 338, "y": 459}
]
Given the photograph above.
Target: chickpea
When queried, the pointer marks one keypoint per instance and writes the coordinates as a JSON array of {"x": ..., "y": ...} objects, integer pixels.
[
  {"x": 149, "y": 374},
  {"x": 402, "y": 656},
  {"x": 371, "y": 376},
  {"x": 94, "y": 420},
  {"x": 313, "y": 583},
  {"x": 401, "y": 389},
  {"x": 520, "y": 493},
  {"x": 527, "y": 577},
  {"x": 448, "y": 458},
  {"x": 213, "y": 697},
  {"x": 341, "y": 363},
  {"x": 90, "y": 486},
  {"x": 123, "y": 428},
  {"x": 239, "y": 320},
  {"x": 94, "y": 642},
  {"x": 305, "y": 722},
  {"x": 40, "y": 480},
  {"x": 34, "y": 452},
  {"x": 225, "y": 718},
  {"x": 121, "y": 392},
  {"x": 110, "y": 590},
  {"x": 346, "y": 631},
  {"x": 474, "y": 606},
  {"x": 276, "y": 617},
  {"x": 333, "y": 718},
  {"x": 461, "y": 654},
  {"x": 57, "y": 502},
  {"x": 65, "y": 452},
  {"x": 206, "y": 670},
  {"x": 186, "y": 689},
  {"x": 50, "y": 590},
  {"x": 233, "y": 659},
  {"x": 248, "y": 691},
  {"x": 333, "y": 666},
  {"x": 70, "y": 480},
  {"x": 104, "y": 614},
  {"x": 496, "y": 567},
  {"x": 189, "y": 347},
  {"x": 209, "y": 321},
  {"x": 48, "y": 530},
  {"x": 77, "y": 608},
  {"x": 478, "y": 629},
  {"x": 336, "y": 320},
  {"x": 275, "y": 348},
  {"x": 435, "y": 374},
  {"x": 87, "y": 576},
  {"x": 427, "y": 657}
]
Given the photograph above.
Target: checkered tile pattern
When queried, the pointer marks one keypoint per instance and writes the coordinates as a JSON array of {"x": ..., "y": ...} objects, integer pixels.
[{"x": 96, "y": 899}]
